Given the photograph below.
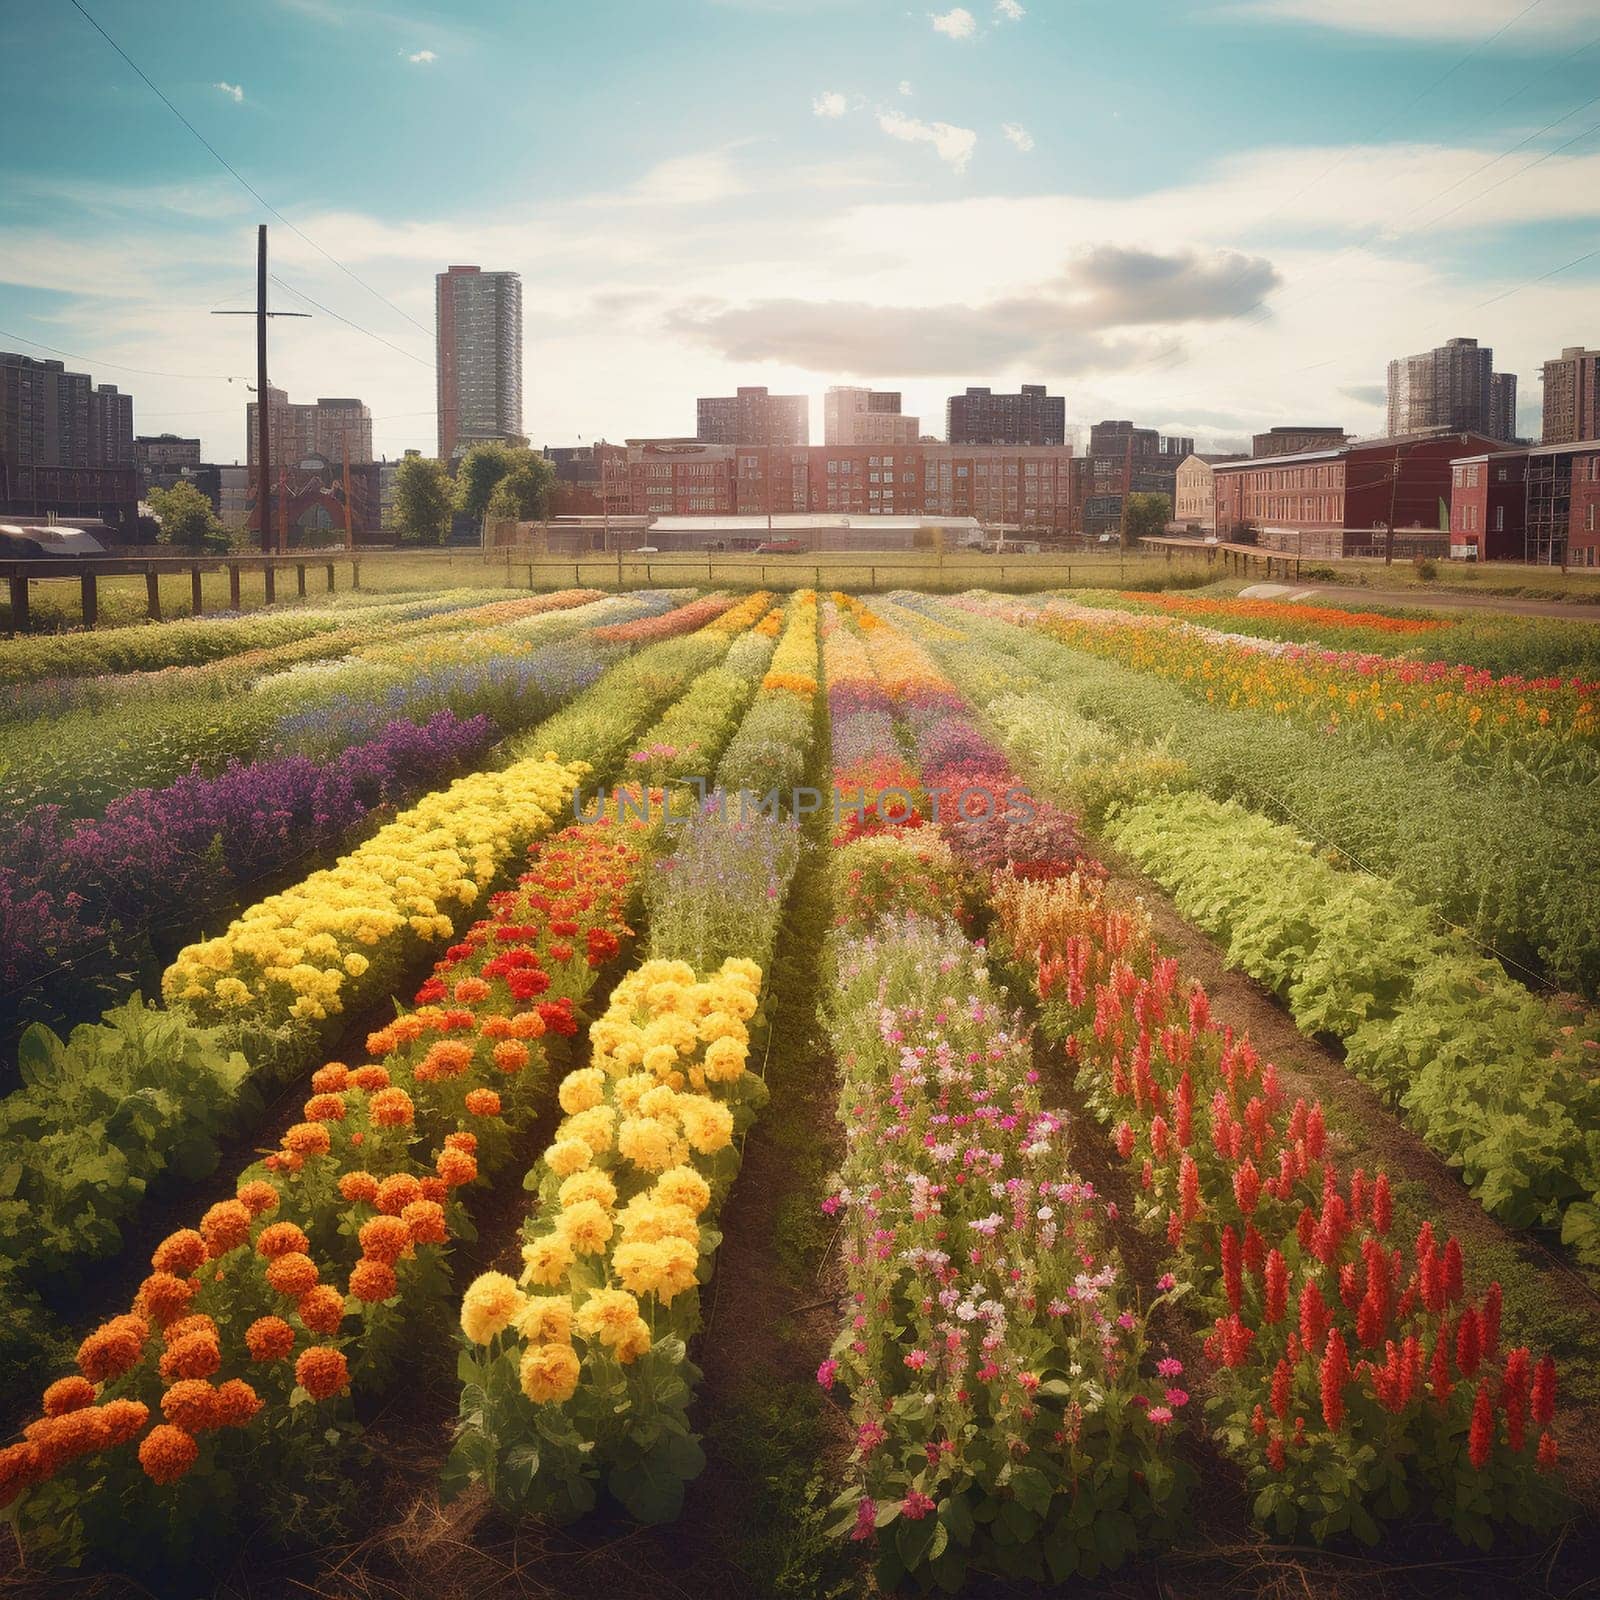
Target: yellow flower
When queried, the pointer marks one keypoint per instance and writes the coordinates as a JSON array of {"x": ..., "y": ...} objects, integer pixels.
[
  {"x": 546, "y": 1319},
  {"x": 635, "y": 1342},
  {"x": 582, "y": 1089},
  {"x": 707, "y": 1124},
  {"x": 585, "y": 1227},
  {"x": 683, "y": 1186},
  {"x": 567, "y": 1156},
  {"x": 546, "y": 1260},
  {"x": 593, "y": 1126},
  {"x": 658, "y": 1101},
  {"x": 724, "y": 1060},
  {"x": 489, "y": 1305},
  {"x": 590, "y": 1184},
  {"x": 607, "y": 1315},
  {"x": 660, "y": 1059},
  {"x": 631, "y": 1089},
  {"x": 647, "y": 1144},
  {"x": 646, "y": 1219},
  {"x": 663, "y": 1267},
  {"x": 549, "y": 1373}
]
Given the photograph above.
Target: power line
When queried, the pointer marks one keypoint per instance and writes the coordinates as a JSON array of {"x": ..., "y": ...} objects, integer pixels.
[
  {"x": 117, "y": 366},
  {"x": 239, "y": 177},
  {"x": 300, "y": 294}
]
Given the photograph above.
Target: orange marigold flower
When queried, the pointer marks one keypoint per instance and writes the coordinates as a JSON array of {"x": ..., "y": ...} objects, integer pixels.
[
  {"x": 307, "y": 1139},
  {"x": 496, "y": 1027},
  {"x": 166, "y": 1453},
  {"x": 190, "y": 1404},
  {"x": 325, "y": 1108},
  {"x": 373, "y": 1281},
  {"x": 392, "y": 1108},
  {"x": 385, "y": 1239},
  {"x": 456, "y": 1167},
  {"x": 447, "y": 1058},
  {"x": 382, "y": 1042},
  {"x": 258, "y": 1196},
  {"x": 122, "y": 1420},
  {"x": 292, "y": 1274},
  {"x": 527, "y": 1025},
  {"x": 321, "y": 1310},
  {"x": 269, "y": 1339},
  {"x": 469, "y": 991},
  {"x": 434, "y": 1188},
  {"x": 322, "y": 1372},
  {"x": 236, "y": 1403},
  {"x": 281, "y": 1239},
  {"x": 330, "y": 1079},
  {"x": 197, "y": 1355},
  {"x": 397, "y": 1191},
  {"x": 483, "y": 1103},
  {"x": 180, "y": 1253},
  {"x": 68, "y": 1394},
  {"x": 425, "y": 1220},
  {"x": 225, "y": 1227},
  {"x": 163, "y": 1297},
  {"x": 58, "y": 1440},
  {"x": 462, "y": 1140},
  {"x": 359, "y": 1187},
  {"x": 113, "y": 1348},
  {"x": 512, "y": 1055},
  {"x": 184, "y": 1326},
  {"x": 19, "y": 1466},
  {"x": 370, "y": 1078}
]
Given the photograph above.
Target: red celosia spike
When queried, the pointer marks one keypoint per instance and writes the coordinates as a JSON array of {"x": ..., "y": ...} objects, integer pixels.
[
  {"x": 1247, "y": 1186},
  {"x": 1255, "y": 1250},
  {"x": 1469, "y": 1349},
  {"x": 1314, "y": 1318},
  {"x": 1382, "y": 1205},
  {"x": 1189, "y": 1188},
  {"x": 1277, "y": 1286},
  {"x": 1452, "y": 1269},
  {"x": 1282, "y": 1382},
  {"x": 1349, "y": 1286},
  {"x": 1185, "y": 1111},
  {"x": 1316, "y": 1133},
  {"x": 1334, "y": 1374},
  {"x": 1358, "y": 1197},
  {"x": 1369, "y": 1321},
  {"x": 1548, "y": 1452},
  {"x": 1230, "y": 1267},
  {"x": 1480, "y": 1438},
  {"x": 1544, "y": 1392},
  {"x": 1306, "y": 1229},
  {"x": 1439, "y": 1369}
]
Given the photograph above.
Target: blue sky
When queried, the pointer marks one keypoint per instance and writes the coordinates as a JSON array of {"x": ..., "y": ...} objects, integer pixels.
[{"x": 1211, "y": 215}]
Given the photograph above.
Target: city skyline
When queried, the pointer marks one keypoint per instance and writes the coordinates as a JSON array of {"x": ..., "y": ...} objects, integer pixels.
[{"x": 771, "y": 214}]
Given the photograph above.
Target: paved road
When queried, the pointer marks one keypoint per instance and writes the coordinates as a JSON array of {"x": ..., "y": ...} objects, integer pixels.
[{"x": 1432, "y": 600}]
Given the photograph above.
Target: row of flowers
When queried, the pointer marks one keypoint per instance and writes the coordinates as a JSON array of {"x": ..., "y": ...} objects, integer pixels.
[
  {"x": 1275, "y": 617},
  {"x": 313, "y": 1277}
]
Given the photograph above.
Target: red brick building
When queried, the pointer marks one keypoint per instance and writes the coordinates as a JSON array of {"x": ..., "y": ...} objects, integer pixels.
[
  {"x": 1025, "y": 486},
  {"x": 1540, "y": 503},
  {"x": 1351, "y": 488}
]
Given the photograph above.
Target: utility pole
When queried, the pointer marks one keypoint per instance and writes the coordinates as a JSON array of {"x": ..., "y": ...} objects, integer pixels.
[
  {"x": 1394, "y": 490},
  {"x": 1127, "y": 489},
  {"x": 263, "y": 424},
  {"x": 349, "y": 535}
]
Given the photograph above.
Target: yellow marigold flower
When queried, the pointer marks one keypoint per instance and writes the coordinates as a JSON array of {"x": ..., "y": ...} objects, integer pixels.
[
  {"x": 356, "y": 964},
  {"x": 724, "y": 1060},
  {"x": 582, "y": 1089},
  {"x": 721, "y": 1025},
  {"x": 594, "y": 1126},
  {"x": 664, "y": 1268},
  {"x": 546, "y": 1319},
  {"x": 585, "y": 1226},
  {"x": 631, "y": 1089},
  {"x": 646, "y": 1218},
  {"x": 549, "y": 1373},
  {"x": 607, "y": 1315},
  {"x": 491, "y": 1302},
  {"x": 545, "y": 1261},
  {"x": 635, "y": 1342},
  {"x": 658, "y": 1101},
  {"x": 591, "y": 1184},
  {"x": 707, "y": 1124},
  {"x": 683, "y": 1186},
  {"x": 647, "y": 1144},
  {"x": 660, "y": 1059},
  {"x": 567, "y": 1156}
]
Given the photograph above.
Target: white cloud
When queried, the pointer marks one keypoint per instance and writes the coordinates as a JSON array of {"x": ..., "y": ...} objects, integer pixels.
[
  {"x": 1018, "y": 135},
  {"x": 955, "y": 145},
  {"x": 830, "y": 103},
  {"x": 1464, "y": 21},
  {"x": 422, "y": 58},
  {"x": 905, "y": 86},
  {"x": 957, "y": 23},
  {"x": 233, "y": 91},
  {"x": 1009, "y": 11},
  {"x": 702, "y": 178}
]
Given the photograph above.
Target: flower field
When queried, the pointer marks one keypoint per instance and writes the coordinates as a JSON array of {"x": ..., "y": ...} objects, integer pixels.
[{"x": 801, "y": 1095}]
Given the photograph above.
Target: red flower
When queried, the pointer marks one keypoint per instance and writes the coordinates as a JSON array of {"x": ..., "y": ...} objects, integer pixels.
[
  {"x": 1189, "y": 1188},
  {"x": 1549, "y": 1454},
  {"x": 1282, "y": 1379},
  {"x": 1314, "y": 1318},
  {"x": 1230, "y": 1267},
  {"x": 1480, "y": 1439},
  {"x": 1335, "y": 1374},
  {"x": 1382, "y": 1205},
  {"x": 1469, "y": 1348},
  {"x": 1246, "y": 1186},
  {"x": 1544, "y": 1392},
  {"x": 1452, "y": 1269},
  {"x": 1277, "y": 1287},
  {"x": 1439, "y": 1369}
]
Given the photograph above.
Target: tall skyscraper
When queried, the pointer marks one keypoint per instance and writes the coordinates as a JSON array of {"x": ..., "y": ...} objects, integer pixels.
[
  {"x": 110, "y": 427},
  {"x": 1030, "y": 417},
  {"x": 1503, "y": 405},
  {"x": 1451, "y": 388},
  {"x": 866, "y": 416},
  {"x": 752, "y": 416},
  {"x": 479, "y": 355},
  {"x": 1572, "y": 396},
  {"x": 44, "y": 413}
]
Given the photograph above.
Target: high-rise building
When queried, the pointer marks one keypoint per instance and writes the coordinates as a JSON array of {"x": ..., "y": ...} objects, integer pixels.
[
  {"x": 1030, "y": 417},
  {"x": 866, "y": 416},
  {"x": 1292, "y": 439},
  {"x": 1503, "y": 405},
  {"x": 110, "y": 427},
  {"x": 325, "y": 429},
  {"x": 1451, "y": 388},
  {"x": 1572, "y": 396},
  {"x": 44, "y": 413},
  {"x": 479, "y": 356},
  {"x": 752, "y": 416}
]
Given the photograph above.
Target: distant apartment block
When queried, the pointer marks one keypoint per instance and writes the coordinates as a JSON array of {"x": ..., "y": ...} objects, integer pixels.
[
  {"x": 1295, "y": 437},
  {"x": 1451, "y": 388},
  {"x": 866, "y": 416},
  {"x": 479, "y": 354},
  {"x": 110, "y": 427},
  {"x": 752, "y": 416},
  {"x": 1572, "y": 396},
  {"x": 1030, "y": 417},
  {"x": 165, "y": 452},
  {"x": 44, "y": 413},
  {"x": 1539, "y": 503},
  {"x": 1503, "y": 405},
  {"x": 325, "y": 429},
  {"x": 1194, "y": 498},
  {"x": 1123, "y": 459}
]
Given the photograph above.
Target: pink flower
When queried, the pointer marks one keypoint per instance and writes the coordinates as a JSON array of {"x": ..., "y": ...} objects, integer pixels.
[
  {"x": 866, "y": 1519},
  {"x": 1164, "y": 1282},
  {"x": 917, "y": 1360},
  {"x": 915, "y": 1506},
  {"x": 1160, "y": 1415},
  {"x": 1170, "y": 1367},
  {"x": 1177, "y": 1398},
  {"x": 828, "y": 1373}
]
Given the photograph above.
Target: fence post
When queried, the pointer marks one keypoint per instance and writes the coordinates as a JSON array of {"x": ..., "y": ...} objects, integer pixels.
[
  {"x": 269, "y": 580},
  {"x": 89, "y": 595},
  {"x": 234, "y": 603},
  {"x": 330, "y": 577},
  {"x": 530, "y": 575},
  {"x": 196, "y": 599},
  {"x": 300, "y": 578},
  {"x": 874, "y": 572},
  {"x": 355, "y": 574},
  {"x": 19, "y": 605},
  {"x": 152, "y": 593}
]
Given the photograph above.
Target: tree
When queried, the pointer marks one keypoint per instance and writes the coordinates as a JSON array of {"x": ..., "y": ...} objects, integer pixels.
[
  {"x": 423, "y": 500},
  {"x": 523, "y": 494},
  {"x": 1147, "y": 514},
  {"x": 480, "y": 471},
  {"x": 187, "y": 519}
]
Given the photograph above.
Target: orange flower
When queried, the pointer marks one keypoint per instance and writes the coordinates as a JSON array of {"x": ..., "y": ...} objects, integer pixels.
[
  {"x": 57, "y": 1440},
  {"x": 122, "y": 1420},
  {"x": 184, "y": 1326},
  {"x": 382, "y": 1042},
  {"x": 435, "y": 1189},
  {"x": 373, "y": 1281},
  {"x": 469, "y": 991},
  {"x": 425, "y": 1219},
  {"x": 236, "y": 1403},
  {"x": 225, "y": 1227},
  {"x": 321, "y": 1310},
  {"x": 385, "y": 1239},
  {"x": 190, "y": 1404},
  {"x": 370, "y": 1078},
  {"x": 68, "y": 1394},
  {"x": 113, "y": 1348},
  {"x": 163, "y": 1298},
  {"x": 281, "y": 1239},
  {"x": 511, "y": 1055},
  {"x": 359, "y": 1187},
  {"x": 307, "y": 1139},
  {"x": 392, "y": 1108},
  {"x": 527, "y": 1025},
  {"x": 483, "y": 1103},
  {"x": 325, "y": 1108},
  {"x": 167, "y": 1453},
  {"x": 292, "y": 1274},
  {"x": 19, "y": 1466},
  {"x": 180, "y": 1253},
  {"x": 447, "y": 1058},
  {"x": 496, "y": 1027},
  {"x": 322, "y": 1372},
  {"x": 331, "y": 1078},
  {"x": 197, "y": 1355},
  {"x": 462, "y": 1140},
  {"x": 456, "y": 1167},
  {"x": 258, "y": 1196},
  {"x": 397, "y": 1191},
  {"x": 269, "y": 1339}
]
